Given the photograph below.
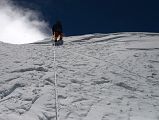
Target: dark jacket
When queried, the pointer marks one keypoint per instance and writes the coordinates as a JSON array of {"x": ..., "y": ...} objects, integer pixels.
[{"x": 57, "y": 27}]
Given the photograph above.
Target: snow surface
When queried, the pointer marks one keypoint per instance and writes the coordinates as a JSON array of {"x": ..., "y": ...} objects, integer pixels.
[{"x": 100, "y": 77}]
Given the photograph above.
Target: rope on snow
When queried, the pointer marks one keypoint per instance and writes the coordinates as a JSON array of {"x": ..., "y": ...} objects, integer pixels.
[{"x": 56, "y": 89}]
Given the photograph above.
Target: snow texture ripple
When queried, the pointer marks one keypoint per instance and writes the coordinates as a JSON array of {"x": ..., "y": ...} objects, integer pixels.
[{"x": 99, "y": 77}]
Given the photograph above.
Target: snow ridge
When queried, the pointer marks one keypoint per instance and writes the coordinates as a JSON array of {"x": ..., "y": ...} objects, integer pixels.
[{"x": 100, "y": 77}]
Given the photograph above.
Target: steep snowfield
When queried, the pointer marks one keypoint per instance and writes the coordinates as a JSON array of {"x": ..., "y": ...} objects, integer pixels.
[{"x": 100, "y": 77}]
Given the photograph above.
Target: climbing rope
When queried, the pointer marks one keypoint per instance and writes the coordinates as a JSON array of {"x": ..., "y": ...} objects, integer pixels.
[{"x": 56, "y": 88}]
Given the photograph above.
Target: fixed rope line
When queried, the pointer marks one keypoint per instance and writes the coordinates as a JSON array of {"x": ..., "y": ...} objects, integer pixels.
[{"x": 56, "y": 88}]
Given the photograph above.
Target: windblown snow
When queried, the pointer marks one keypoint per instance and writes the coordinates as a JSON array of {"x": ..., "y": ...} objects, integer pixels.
[{"x": 99, "y": 76}]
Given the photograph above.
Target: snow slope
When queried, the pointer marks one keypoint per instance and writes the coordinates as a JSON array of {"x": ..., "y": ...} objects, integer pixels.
[{"x": 100, "y": 77}]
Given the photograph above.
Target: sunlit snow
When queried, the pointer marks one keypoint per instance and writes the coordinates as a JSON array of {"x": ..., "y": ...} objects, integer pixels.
[
  {"x": 19, "y": 25},
  {"x": 100, "y": 77}
]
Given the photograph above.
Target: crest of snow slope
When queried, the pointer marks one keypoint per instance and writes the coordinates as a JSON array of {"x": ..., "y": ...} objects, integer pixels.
[{"x": 100, "y": 77}]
